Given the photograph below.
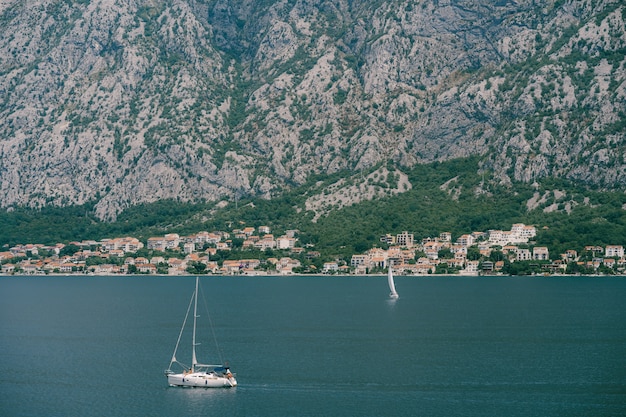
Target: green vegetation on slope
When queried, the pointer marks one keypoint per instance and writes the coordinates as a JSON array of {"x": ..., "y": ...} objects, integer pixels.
[{"x": 574, "y": 217}]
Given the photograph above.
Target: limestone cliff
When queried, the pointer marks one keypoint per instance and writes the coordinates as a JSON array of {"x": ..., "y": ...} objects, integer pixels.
[{"x": 127, "y": 101}]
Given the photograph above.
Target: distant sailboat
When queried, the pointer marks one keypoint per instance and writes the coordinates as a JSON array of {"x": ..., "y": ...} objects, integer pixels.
[
  {"x": 392, "y": 287},
  {"x": 198, "y": 375}
]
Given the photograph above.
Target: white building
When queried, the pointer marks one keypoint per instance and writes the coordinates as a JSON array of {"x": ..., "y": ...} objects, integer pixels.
[
  {"x": 285, "y": 242},
  {"x": 541, "y": 253},
  {"x": 465, "y": 240},
  {"x": 445, "y": 237},
  {"x": 330, "y": 267},
  {"x": 519, "y": 233},
  {"x": 358, "y": 260},
  {"x": 523, "y": 254},
  {"x": 189, "y": 247},
  {"x": 614, "y": 251},
  {"x": 405, "y": 239}
]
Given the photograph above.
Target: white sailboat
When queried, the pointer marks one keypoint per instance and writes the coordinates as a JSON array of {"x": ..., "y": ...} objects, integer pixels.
[
  {"x": 392, "y": 287},
  {"x": 198, "y": 375}
]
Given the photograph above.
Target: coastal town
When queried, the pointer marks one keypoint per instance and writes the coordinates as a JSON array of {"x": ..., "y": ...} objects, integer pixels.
[{"x": 477, "y": 253}]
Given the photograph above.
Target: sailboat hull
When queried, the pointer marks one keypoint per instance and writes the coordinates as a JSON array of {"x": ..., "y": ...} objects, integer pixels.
[{"x": 201, "y": 380}]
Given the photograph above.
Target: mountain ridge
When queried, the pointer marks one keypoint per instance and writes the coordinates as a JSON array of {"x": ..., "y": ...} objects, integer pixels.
[{"x": 123, "y": 102}]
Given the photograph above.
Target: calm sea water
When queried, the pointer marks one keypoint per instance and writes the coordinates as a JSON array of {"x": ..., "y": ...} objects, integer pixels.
[{"x": 316, "y": 346}]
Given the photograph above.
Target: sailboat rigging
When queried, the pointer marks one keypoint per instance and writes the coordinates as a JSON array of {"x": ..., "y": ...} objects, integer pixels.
[
  {"x": 197, "y": 375},
  {"x": 392, "y": 287}
]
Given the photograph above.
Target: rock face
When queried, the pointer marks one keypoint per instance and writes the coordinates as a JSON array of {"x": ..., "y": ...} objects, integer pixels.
[{"x": 128, "y": 101}]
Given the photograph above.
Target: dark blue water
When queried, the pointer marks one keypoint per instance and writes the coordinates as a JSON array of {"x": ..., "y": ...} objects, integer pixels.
[{"x": 315, "y": 346}]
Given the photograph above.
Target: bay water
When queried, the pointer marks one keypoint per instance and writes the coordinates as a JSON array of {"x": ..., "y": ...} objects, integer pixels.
[{"x": 317, "y": 346}]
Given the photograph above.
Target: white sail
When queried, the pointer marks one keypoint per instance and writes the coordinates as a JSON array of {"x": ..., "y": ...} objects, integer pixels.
[{"x": 392, "y": 286}]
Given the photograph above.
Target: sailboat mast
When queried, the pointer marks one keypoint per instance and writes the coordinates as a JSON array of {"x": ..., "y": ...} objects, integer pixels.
[{"x": 194, "y": 361}]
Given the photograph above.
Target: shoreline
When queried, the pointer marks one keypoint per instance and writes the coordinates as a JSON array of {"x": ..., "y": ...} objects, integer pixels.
[{"x": 309, "y": 275}]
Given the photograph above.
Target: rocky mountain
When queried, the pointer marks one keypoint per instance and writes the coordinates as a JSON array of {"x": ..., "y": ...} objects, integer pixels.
[{"x": 128, "y": 101}]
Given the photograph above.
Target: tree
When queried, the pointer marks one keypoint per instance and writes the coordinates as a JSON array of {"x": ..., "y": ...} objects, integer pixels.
[
  {"x": 196, "y": 268},
  {"x": 497, "y": 255},
  {"x": 237, "y": 243},
  {"x": 69, "y": 250},
  {"x": 445, "y": 253},
  {"x": 473, "y": 253},
  {"x": 575, "y": 268}
]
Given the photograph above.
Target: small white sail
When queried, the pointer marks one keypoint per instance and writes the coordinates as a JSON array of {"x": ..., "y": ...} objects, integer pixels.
[{"x": 392, "y": 286}]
